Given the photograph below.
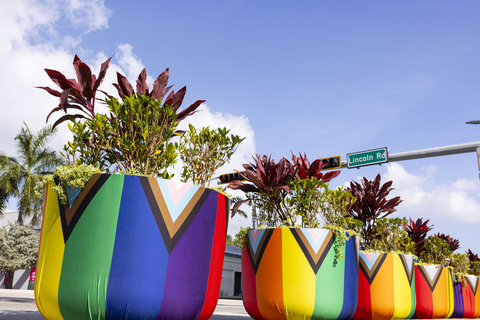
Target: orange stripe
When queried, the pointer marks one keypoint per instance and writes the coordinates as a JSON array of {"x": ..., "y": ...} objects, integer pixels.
[{"x": 269, "y": 279}]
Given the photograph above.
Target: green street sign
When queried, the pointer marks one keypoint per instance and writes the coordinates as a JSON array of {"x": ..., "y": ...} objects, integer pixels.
[{"x": 367, "y": 158}]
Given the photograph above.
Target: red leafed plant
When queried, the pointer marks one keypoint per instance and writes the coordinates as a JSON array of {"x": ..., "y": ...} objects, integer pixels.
[
  {"x": 76, "y": 94},
  {"x": 417, "y": 231},
  {"x": 453, "y": 243},
  {"x": 307, "y": 170},
  {"x": 371, "y": 204},
  {"x": 268, "y": 183}
]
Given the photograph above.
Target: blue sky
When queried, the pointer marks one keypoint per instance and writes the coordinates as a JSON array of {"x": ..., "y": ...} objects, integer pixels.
[{"x": 321, "y": 78}]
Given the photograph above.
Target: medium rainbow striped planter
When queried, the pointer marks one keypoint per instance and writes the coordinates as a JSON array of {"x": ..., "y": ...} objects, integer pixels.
[
  {"x": 132, "y": 248},
  {"x": 466, "y": 298},
  {"x": 434, "y": 292},
  {"x": 386, "y": 286},
  {"x": 292, "y": 273}
]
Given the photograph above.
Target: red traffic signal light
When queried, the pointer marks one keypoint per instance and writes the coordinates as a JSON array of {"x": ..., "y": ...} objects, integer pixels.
[{"x": 229, "y": 177}]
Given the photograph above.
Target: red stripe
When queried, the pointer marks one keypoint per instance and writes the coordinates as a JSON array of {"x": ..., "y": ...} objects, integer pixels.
[
  {"x": 249, "y": 287},
  {"x": 468, "y": 301},
  {"x": 424, "y": 308},
  {"x": 216, "y": 263},
  {"x": 364, "y": 307}
]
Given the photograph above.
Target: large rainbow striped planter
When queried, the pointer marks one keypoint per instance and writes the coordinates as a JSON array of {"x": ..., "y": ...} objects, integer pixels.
[
  {"x": 292, "y": 273},
  {"x": 132, "y": 248},
  {"x": 434, "y": 292},
  {"x": 386, "y": 286},
  {"x": 466, "y": 298}
]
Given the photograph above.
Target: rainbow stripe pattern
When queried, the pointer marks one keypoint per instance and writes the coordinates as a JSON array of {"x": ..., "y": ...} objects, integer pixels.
[
  {"x": 386, "y": 288},
  {"x": 434, "y": 292},
  {"x": 132, "y": 247},
  {"x": 466, "y": 298},
  {"x": 292, "y": 273}
]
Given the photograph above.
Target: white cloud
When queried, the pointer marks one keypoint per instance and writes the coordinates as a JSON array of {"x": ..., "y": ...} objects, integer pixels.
[
  {"x": 455, "y": 201},
  {"x": 33, "y": 37}
]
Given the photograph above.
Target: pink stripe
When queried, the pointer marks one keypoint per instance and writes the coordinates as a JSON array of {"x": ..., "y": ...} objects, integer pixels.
[{"x": 177, "y": 193}]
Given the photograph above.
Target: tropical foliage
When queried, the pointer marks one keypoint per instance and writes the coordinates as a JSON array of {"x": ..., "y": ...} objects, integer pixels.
[
  {"x": 417, "y": 231},
  {"x": 371, "y": 204},
  {"x": 288, "y": 193},
  {"x": 18, "y": 249},
  {"x": 204, "y": 151},
  {"x": 20, "y": 174},
  {"x": 391, "y": 236},
  {"x": 135, "y": 136}
]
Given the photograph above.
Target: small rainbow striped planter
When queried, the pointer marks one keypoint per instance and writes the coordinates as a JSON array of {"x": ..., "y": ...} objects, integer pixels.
[
  {"x": 386, "y": 286},
  {"x": 434, "y": 292},
  {"x": 132, "y": 248},
  {"x": 290, "y": 273},
  {"x": 466, "y": 298}
]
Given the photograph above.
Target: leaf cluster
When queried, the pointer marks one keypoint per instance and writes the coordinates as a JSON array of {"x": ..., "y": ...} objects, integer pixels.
[
  {"x": 390, "y": 236},
  {"x": 66, "y": 177},
  {"x": 436, "y": 251},
  {"x": 135, "y": 135},
  {"x": 284, "y": 191},
  {"x": 371, "y": 204},
  {"x": 204, "y": 151},
  {"x": 417, "y": 231}
]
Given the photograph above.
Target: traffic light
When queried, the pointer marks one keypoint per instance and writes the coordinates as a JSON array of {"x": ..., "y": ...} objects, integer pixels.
[
  {"x": 331, "y": 163},
  {"x": 229, "y": 177}
]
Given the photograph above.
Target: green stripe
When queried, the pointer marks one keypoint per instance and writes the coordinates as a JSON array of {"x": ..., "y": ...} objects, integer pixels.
[
  {"x": 329, "y": 287},
  {"x": 412, "y": 296},
  {"x": 88, "y": 254}
]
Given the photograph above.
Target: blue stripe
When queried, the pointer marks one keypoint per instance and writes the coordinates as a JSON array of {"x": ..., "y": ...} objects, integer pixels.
[
  {"x": 350, "y": 292},
  {"x": 139, "y": 262}
]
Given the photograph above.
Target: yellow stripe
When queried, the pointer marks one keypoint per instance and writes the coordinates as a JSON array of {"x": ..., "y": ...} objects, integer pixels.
[
  {"x": 298, "y": 280},
  {"x": 401, "y": 285},
  {"x": 50, "y": 257}
]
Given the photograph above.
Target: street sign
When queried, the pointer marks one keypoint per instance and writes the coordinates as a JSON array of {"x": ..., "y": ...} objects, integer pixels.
[{"x": 367, "y": 158}]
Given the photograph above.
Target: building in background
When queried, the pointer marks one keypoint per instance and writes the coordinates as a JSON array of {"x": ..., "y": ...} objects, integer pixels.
[{"x": 231, "y": 285}]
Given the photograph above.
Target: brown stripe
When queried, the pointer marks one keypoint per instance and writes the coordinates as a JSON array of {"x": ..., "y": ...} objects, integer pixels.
[
  {"x": 172, "y": 226},
  {"x": 315, "y": 255},
  {"x": 371, "y": 273},
  {"x": 70, "y": 212}
]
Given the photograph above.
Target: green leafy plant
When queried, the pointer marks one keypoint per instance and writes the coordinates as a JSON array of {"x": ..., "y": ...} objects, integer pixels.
[
  {"x": 67, "y": 177},
  {"x": 435, "y": 251},
  {"x": 371, "y": 204},
  {"x": 204, "y": 151},
  {"x": 392, "y": 237},
  {"x": 474, "y": 261}
]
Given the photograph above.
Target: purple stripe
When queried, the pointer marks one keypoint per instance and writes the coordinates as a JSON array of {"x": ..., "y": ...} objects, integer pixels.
[{"x": 188, "y": 266}]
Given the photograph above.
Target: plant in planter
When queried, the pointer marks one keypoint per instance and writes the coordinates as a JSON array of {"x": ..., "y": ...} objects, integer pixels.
[
  {"x": 465, "y": 282},
  {"x": 386, "y": 281},
  {"x": 124, "y": 244},
  {"x": 297, "y": 270},
  {"x": 434, "y": 282}
]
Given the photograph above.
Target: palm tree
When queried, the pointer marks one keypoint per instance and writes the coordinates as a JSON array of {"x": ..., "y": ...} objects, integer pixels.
[{"x": 19, "y": 175}]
